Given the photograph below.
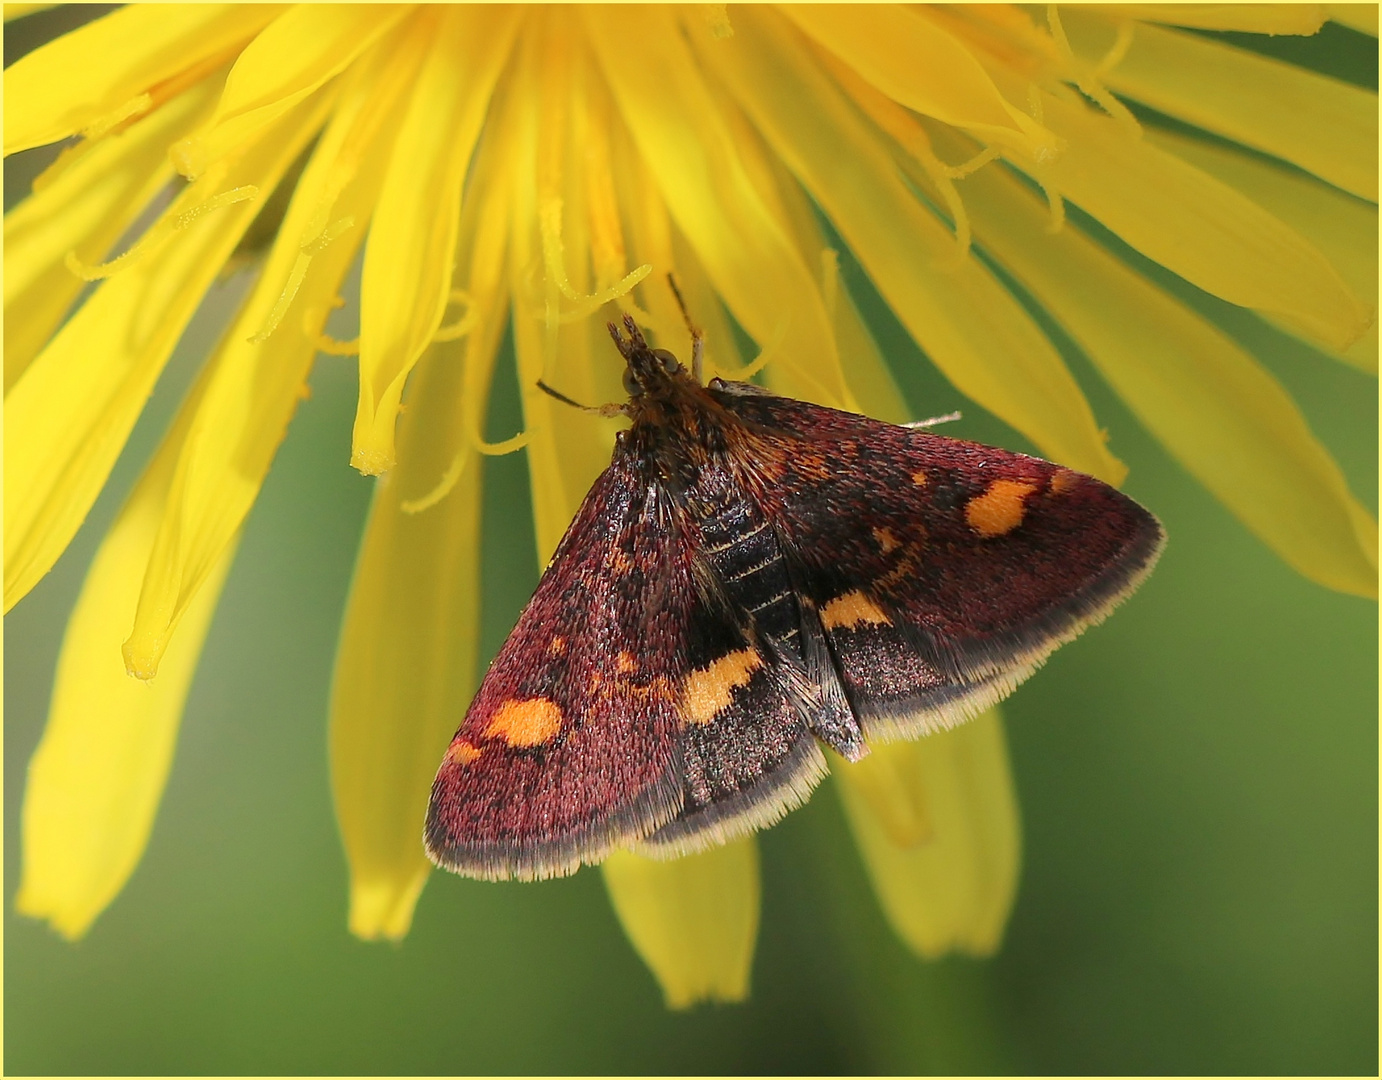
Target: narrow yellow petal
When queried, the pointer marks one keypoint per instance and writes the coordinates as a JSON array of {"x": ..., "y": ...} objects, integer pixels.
[
  {"x": 18, "y": 11},
  {"x": 820, "y": 376},
  {"x": 1220, "y": 414},
  {"x": 676, "y": 124},
  {"x": 1343, "y": 228},
  {"x": 1196, "y": 225},
  {"x": 84, "y": 210},
  {"x": 568, "y": 448},
  {"x": 98, "y": 774},
  {"x": 293, "y": 56},
  {"x": 654, "y": 239},
  {"x": 1360, "y": 17},
  {"x": 407, "y": 271},
  {"x": 407, "y": 663},
  {"x": 68, "y": 416},
  {"x": 937, "y": 824},
  {"x": 101, "y": 69},
  {"x": 1325, "y": 126},
  {"x": 918, "y": 64},
  {"x": 1248, "y": 18},
  {"x": 693, "y": 920},
  {"x": 970, "y": 326},
  {"x": 871, "y": 386},
  {"x": 259, "y": 380}
]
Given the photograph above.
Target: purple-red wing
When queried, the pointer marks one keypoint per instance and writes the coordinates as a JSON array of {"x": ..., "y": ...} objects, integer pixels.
[
  {"x": 569, "y": 747},
  {"x": 983, "y": 559}
]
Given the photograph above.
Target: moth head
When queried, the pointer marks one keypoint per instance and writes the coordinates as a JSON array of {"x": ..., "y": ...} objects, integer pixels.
[{"x": 647, "y": 369}]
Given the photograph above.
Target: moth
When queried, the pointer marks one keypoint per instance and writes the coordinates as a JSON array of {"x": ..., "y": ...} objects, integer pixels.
[{"x": 752, "y": 579}]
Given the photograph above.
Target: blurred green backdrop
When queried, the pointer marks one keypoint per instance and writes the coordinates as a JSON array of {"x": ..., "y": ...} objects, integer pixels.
[{"x": 1198, "y": 780}]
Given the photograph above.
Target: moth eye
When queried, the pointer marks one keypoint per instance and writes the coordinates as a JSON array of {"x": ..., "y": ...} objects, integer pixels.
[
  {"x": 670, "y": 364},
  {"x": 631, "y": 385}
]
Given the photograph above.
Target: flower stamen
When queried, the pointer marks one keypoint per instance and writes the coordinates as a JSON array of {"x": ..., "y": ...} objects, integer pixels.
[
  {"x": 334, "y": 346},
  {"x": 102, "y": 125},
  {"x": 448, "y": 481},
  {"x": 1087, "y": 76},
  {"x": 159, "y": 234},
  {"x": 554, "y": 262},
  {"x": 911, "y": 138}
]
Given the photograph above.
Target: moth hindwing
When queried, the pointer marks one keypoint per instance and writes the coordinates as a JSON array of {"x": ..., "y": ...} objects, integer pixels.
[{"x": 751, "y": 579}]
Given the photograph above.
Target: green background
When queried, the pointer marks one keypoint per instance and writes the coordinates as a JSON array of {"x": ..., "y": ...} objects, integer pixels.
[{"x": 1198, "y": 782}]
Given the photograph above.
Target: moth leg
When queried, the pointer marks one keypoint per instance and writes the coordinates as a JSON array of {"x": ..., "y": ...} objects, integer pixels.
[
  {"x": 697, "y": 336},
  {"x": 607, "y": 411}
]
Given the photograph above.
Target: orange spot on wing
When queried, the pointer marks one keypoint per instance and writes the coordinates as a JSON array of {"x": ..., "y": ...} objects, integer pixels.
[
  {"x": 853, "y": 609},
  {"x": 529, "y": 722},
  {"x": 624, "y": 663},
  {"x": 462, "y": 753},
  {"x": 999, "y": 509},
  {"x": 1062, "y": 480},
  {"x": 557, "y": 646},
  {"x": 707, "y": 691},
  {"x": 886, "y": 540},
  {"x": 919, "y": 478}
]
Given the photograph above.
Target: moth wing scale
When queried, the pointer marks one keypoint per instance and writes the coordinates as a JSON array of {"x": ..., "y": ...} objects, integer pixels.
[{"x": 943, "y": 572}]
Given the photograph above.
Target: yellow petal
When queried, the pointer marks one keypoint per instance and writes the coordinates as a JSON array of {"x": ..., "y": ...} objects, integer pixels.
[
  {"x": 676, "y": 124},
  {"x": 1325, "y": 126},
  {"x": 406, "y": 666},
  {"x": 293, "y": 56},
  {"x": 693, "y": 920},
  {"x": 68, "y": 416},
  {"x": 970, "y": 326},
  {"x": 872, "y": 388},
  {"x": 1360, "y": 17},
  {"x": 259, "y": 379},
  {"x": 18, "y": 11},
  {"x": 1197, "y": 226},
  {"x": 918, "y": 64},
  {"x": 568, "y": 448},
  {"x": 1248, "y": 18},
  {"x": 100, "y": 70},
  {"x": 1344, "y": 229},
  {"x": 97, "y": 776},
  {"x": 1219, "y": 413},
  {"x": 936, "y": 822},
  {"x": 407, "y": 271},
  {"x": 654, "y": 239},
  {"x": 85, "y": 210}
]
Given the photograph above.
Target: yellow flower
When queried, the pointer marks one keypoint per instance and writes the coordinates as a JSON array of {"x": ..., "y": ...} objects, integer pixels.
[{"x": 540, "y": 168}]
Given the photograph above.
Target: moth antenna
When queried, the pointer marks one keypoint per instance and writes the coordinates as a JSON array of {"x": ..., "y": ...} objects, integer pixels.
[
  {"x": 697, "y": 336},
  {"x": 607, "y": 411}
]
